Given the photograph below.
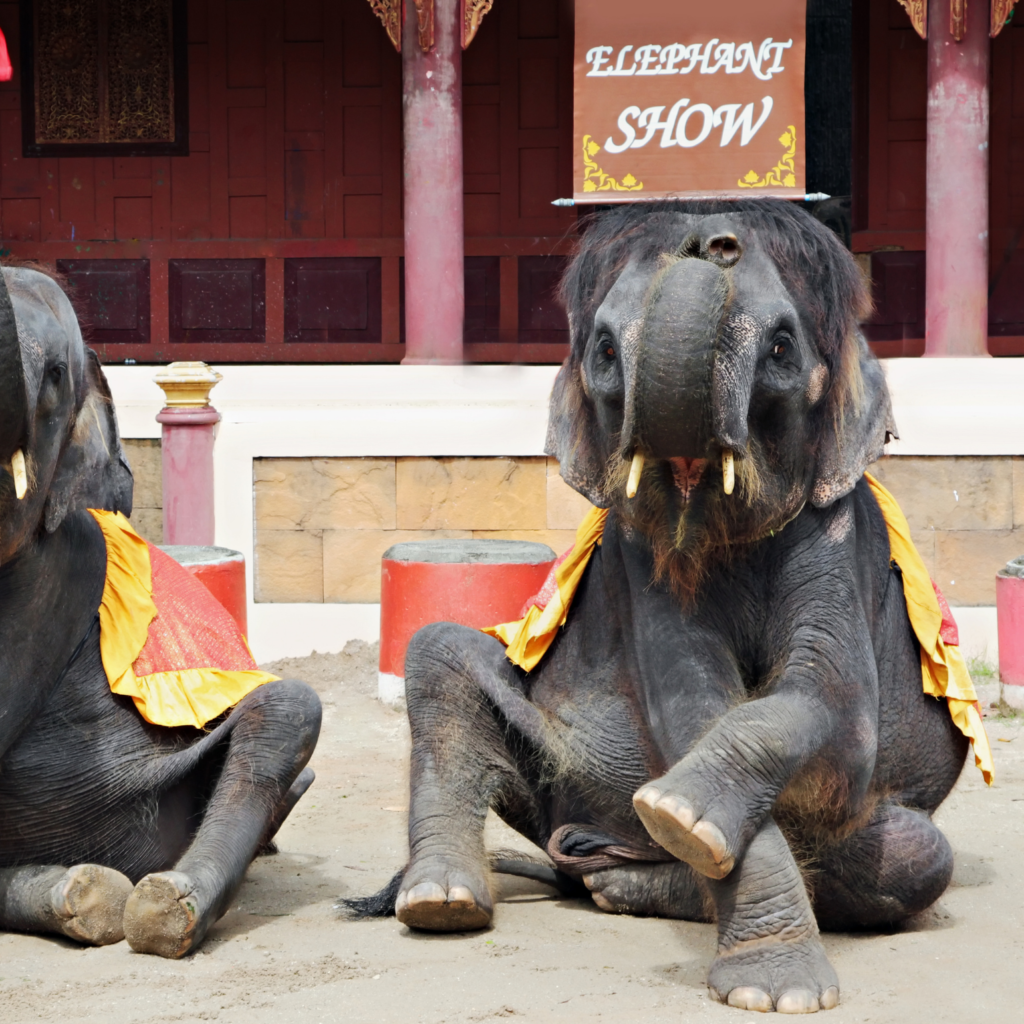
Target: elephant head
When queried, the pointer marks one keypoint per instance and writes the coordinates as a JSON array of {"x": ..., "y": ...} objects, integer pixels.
[
  {"x": 717, "y": 379},
  {"x": 59, "y": 444}
]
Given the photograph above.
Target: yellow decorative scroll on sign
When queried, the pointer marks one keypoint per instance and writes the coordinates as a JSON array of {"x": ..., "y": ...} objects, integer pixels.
[
  {"x": 782, "y": 173},
  {"x": 595, "y": 180}
]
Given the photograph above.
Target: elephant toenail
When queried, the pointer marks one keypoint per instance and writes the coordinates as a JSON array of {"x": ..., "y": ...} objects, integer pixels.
[
  {"x": 711, "y": 836},
  {"x": 797, "y": 1000},
  {"x": 679, "y": 810},
  {"x": 829, "y": 998},
  {"x": 749, "y": 998},
  {"x": 426, "y": 892},
  {"x": 460, "y": 894},
  {"x": 648, "y": 795}
]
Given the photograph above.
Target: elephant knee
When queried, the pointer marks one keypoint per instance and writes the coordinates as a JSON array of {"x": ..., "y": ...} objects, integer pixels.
[
  {"x": 924, "y": 865},
  {"x": 436, "y": 660},
  {"x": 285, "y": 716}
]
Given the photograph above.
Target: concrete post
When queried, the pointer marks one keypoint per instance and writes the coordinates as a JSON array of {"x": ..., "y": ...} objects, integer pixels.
[
  {"x": 187, "y": 452},
  {"x": 432, "y": 110},
  {"x": 956, "y": 219}
]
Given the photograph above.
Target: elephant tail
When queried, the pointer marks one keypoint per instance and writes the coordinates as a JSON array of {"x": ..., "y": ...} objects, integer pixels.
[
  {"x": 503, "y": 862},
  {"x": 515, "y": 862},
  {"x": 380, "y": 904}
]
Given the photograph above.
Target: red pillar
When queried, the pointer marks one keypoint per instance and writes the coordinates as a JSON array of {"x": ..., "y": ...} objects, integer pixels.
[
  {"x": 432, "y": 109},
  {"x": 186, "y": 451},
  {"x": 956, "y": 235},
  {"x": 187, "y": 456}
]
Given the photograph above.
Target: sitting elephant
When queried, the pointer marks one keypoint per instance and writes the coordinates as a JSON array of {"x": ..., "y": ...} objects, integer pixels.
[
  {"x": 108, "y": 824},
  {"x": 731, "y": 723}
]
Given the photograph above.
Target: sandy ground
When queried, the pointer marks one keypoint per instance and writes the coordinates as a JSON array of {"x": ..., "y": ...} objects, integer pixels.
[{"x": 283, "y": 953}]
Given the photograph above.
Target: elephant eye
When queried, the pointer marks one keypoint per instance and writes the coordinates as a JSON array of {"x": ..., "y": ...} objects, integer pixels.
[
  {"x": 781, "y": 347},
  {"x": 610, "y": 352}
]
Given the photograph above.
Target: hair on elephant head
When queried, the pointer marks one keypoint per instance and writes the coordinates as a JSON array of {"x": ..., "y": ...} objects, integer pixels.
[
  {"x": 717, "y": 379},
  {"x": 59, "y": 443}
]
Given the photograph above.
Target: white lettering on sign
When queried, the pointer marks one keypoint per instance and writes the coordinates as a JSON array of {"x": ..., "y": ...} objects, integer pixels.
[
  {"x": 678, "y": 59},
  {"x": 676, "y": 129}
]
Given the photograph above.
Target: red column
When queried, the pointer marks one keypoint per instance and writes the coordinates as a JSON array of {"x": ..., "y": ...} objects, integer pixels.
[
  {"x": 186, "y": 452},
  {"x": 956, "y": 235},
  {"x": 432, "y": 108}
]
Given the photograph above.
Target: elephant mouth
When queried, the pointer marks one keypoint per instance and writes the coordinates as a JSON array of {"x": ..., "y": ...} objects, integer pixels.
[{"x": 687, "y": 474}]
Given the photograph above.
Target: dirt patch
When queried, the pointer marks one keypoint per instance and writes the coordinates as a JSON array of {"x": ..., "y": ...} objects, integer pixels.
[{"x": 283, "y": 955}]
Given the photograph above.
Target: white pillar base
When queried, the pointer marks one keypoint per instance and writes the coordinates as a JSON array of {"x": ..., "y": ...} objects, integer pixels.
[
  {"x": 390, "y": 689},
  {"x": 1014, "y": 696}
]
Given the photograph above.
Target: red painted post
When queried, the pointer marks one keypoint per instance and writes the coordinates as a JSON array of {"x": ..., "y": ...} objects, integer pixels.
[
  {"x": 434, "y": 246},
  {"x": 188, "y": 420},
  {"x": 956, "y": 219}
]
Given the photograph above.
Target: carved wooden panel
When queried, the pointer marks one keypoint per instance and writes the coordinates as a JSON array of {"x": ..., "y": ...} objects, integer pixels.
[
  {"x": 898, "y": 90},
  {"x": 111, "y": 298},
  {"x": 104, "y": 76},
  {"x": 517, "y": 110},
  {"x": 541, "y": 316},
  {"x": 482, "y": 288},
  {"x": 333, "y": 300},
  {"x": 295, "y": 152},
  {"x": 1006, "y": 195},
  {"x": 897, "y": 286},
  {"x": 217, "y": 300}
]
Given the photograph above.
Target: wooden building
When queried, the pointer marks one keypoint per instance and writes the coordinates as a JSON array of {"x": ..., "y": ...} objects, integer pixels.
[{"x": 272, "y": 229}]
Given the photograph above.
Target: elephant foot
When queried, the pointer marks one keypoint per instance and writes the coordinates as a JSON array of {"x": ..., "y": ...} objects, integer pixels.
[
  {"x": 650, "y": 890},
  {"x": 673, "y": 824},
  {"x": 89, "y": 902},
  {"x": 439, "y": 897},
  {"x": 164, "y": 916},
  {"x": 775, "y": 974}
]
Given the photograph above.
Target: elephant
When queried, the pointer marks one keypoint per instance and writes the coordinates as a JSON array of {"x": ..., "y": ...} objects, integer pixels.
[
  {"x": 730, "y": 726},
  {"x": 109, "y": 825}
]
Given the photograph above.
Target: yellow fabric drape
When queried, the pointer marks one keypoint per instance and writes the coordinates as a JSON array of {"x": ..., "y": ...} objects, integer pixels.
[
  {"x": 943, "y": 670},
  {"x": 528, "y": 639},
  {"x": 187, "y": 696}
]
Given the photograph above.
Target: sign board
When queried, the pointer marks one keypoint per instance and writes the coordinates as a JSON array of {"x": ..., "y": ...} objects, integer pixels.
[{"x": 688, "y": 98}]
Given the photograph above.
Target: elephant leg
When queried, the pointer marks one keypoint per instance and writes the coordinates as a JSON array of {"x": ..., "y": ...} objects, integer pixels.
[
  {"x": 769, "y": 953},
  {"x": 898, "y": 864},
  {"x": 275, "y": 729},
  {"x": 651, "y": 890},
  {"x": 467, "y": 756},
  {"x": 85, "y": 902}
]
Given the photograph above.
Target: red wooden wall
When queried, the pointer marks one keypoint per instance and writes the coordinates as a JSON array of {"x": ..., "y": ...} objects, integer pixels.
[
  {"x": 889, "y": 178},
  {"x": 279, "y": 238}
]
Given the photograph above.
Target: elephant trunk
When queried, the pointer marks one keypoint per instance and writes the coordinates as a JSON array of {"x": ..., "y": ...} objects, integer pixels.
[
  {"x": 669, "y": 411},
  {"x": 13, "y": 400}
]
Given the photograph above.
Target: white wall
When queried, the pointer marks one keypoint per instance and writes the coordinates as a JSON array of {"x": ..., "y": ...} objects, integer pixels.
[{"x": 942, "y": 407}]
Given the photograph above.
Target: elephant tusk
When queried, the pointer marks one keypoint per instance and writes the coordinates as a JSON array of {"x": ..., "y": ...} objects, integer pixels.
[
  {"x": 19, "y": 474},
  {"x": 635, "y": 470},
  {"x": 728, "y": 471}
]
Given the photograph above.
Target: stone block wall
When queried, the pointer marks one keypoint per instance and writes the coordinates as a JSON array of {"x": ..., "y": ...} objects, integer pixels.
[
  {"x": 322, "y": 525},
  {"x": 966, "y": 515},
  {"x": 148, "y": 504}
]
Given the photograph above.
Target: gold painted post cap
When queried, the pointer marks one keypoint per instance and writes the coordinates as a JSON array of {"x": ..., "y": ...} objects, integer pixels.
[{"x": 188, "y": 385}]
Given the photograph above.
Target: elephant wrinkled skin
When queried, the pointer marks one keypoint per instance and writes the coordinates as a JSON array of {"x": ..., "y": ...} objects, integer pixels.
[
  {"x": 108, "y": 825},
  {"x": 731, "y": 725}
]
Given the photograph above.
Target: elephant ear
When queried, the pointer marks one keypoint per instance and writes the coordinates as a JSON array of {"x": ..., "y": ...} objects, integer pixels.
[
  {"x": 93, "y": 471},
  {"x": 572, "y": 428},
  {"x": 856, "y": 435}
]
